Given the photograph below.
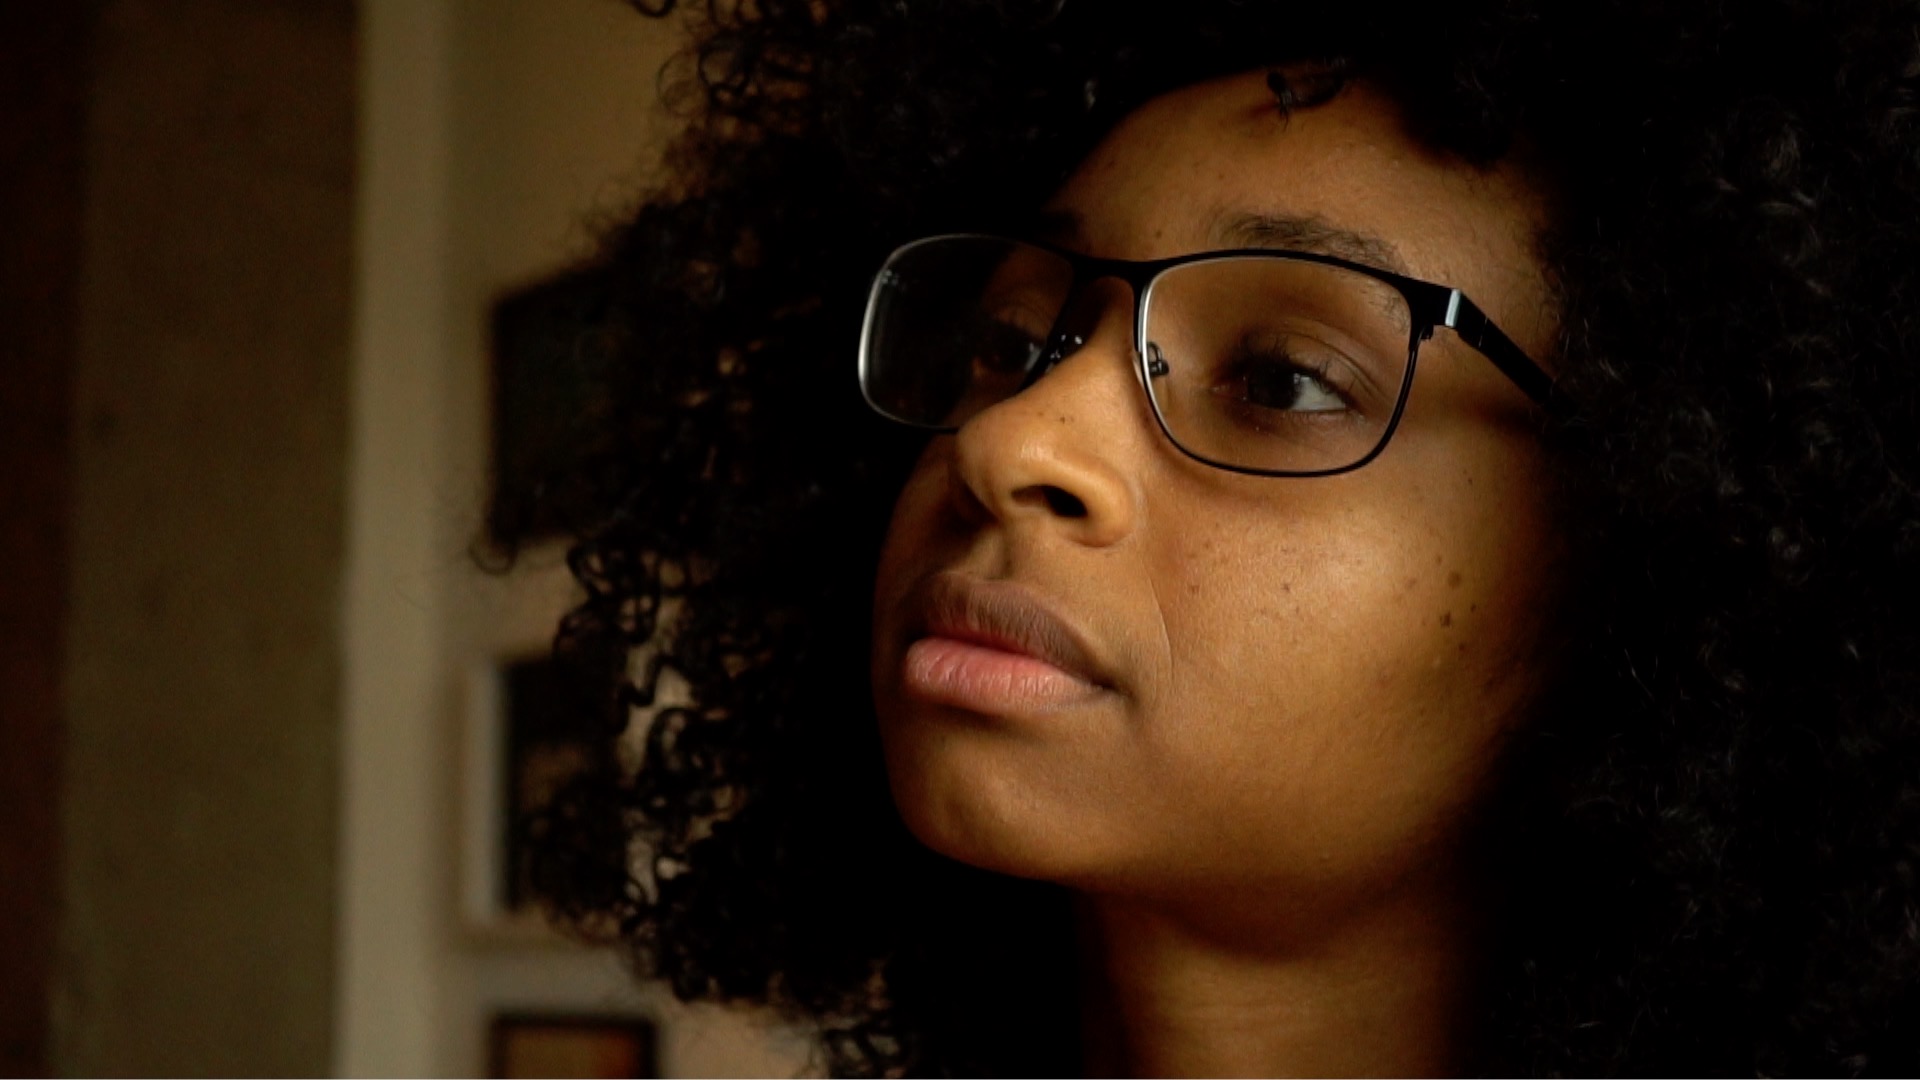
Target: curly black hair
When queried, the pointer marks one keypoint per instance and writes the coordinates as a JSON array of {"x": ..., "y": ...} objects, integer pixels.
[{"x": 1711, "y": 830}]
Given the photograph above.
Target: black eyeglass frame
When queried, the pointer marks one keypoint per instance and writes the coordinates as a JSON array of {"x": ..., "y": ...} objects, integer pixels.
[{"x": 1430, "y": 305}]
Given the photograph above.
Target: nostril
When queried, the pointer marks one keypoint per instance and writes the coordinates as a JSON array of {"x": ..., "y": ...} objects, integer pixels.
[{"x": 1063, "y": 503}]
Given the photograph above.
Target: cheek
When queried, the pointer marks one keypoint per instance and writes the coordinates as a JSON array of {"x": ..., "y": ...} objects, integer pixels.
[
  {"x": 913, "y": 533},
  {"x": 1342, "y": 677}
]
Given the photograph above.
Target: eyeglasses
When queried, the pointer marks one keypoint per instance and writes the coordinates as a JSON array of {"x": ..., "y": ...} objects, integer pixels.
[{"x": 1274, "y": 363}]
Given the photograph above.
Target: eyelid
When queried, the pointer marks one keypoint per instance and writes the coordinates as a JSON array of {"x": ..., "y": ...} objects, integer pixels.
[
  {"x": 1350, "y": 359},
  {"x": 1019, "y": 313},
  {"x": 1324, "y": 375}
]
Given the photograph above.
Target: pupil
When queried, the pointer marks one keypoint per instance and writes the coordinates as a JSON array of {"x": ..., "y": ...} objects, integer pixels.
[{"x": 1273, "y": 387}]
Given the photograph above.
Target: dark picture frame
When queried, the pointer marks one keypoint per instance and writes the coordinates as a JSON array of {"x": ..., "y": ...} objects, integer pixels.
[
  {"x": 547, "y": 739},
  {"x": 548, "y": 346}
]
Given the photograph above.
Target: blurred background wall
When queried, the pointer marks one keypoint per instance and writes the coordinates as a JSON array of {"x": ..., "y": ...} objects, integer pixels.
[
  {"x": 247, "y": 253},
  {"x": 43, "y": 89}
]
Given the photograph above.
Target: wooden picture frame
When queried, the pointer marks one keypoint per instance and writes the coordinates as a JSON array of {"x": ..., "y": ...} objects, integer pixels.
[{"x": 521, "y": 1044}]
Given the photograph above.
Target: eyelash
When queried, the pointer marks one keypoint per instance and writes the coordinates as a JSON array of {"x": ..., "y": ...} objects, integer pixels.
[{"x": 1251, "y": 358}]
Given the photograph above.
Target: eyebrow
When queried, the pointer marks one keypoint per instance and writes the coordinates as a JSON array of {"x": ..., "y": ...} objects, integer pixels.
[
  {"x": 1243, "y": 229},
  {"x": 1060, "y": 227},
  {"x": 1307, "y": 233}
]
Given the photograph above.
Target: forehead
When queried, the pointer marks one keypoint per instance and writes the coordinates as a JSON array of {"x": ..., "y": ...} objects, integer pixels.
[{"x": 1219, "y": 165}]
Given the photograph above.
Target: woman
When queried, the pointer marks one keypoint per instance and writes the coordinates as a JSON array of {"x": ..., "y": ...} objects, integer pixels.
[{"x": 1406, "y": 564}]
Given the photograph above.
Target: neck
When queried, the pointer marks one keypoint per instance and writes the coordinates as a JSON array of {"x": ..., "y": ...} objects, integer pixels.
[{"x": 1381, "y": 993}]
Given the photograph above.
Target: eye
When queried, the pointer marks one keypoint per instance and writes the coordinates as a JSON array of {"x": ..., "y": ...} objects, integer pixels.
[
  {"x": 1003, "y": 333},
  {"x": 1281, "y": 377},
  {"x": 1001, "y": 347}
]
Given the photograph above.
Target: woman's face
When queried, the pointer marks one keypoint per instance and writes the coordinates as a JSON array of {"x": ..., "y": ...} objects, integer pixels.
[{"x": 1100, "y": 662}]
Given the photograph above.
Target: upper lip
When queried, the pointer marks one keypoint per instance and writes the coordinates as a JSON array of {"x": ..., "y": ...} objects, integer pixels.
[{"x": 1006, "y": 616}]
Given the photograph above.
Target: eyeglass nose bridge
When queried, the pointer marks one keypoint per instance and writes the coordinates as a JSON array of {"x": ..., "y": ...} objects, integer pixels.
[
  {"x": 1060, "y": 345},
  {"x": 1063, "y": 342}
]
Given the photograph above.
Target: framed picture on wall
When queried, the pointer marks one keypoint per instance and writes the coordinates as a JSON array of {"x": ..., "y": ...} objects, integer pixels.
[
  {"x": 540, "y": 1045},
  {"x": 533, "y": 728},
  {"x": 548, "y": 345}
]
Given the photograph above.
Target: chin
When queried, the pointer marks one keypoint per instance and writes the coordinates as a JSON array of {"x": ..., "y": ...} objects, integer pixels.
[{"x": 967, "y": 802}]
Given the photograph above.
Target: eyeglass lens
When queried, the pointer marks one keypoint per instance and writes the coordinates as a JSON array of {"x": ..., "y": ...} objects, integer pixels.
[{"x": 1252, "y": 362}]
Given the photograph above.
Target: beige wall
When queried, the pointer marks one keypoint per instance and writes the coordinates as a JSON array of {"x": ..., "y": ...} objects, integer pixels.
[
  {"x": 209, "y": 470},
  {"x": 295, "y": 216},
  {"x": 493, "y": 133}
]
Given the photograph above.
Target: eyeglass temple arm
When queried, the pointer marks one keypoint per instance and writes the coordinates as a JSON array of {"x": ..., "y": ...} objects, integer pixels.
[{"x": 1465, "y": 318}]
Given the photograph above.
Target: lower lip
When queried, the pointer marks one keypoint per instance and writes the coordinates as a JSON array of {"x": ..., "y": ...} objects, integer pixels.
[{"x": 983, "y": 679}]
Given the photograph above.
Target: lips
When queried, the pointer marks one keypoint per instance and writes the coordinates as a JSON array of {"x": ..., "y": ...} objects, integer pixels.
[{"x": 992, "y": 647}]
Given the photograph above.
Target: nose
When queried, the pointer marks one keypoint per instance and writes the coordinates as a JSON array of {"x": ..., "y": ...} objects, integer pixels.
[{"x": 1056, "y": 454}]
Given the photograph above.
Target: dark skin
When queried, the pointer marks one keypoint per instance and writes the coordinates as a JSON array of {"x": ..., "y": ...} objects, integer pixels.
[{"x": 1294, "y": 691}]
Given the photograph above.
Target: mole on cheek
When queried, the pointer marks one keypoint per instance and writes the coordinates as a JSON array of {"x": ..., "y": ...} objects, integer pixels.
[{"x": 1453, "y": 580}]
